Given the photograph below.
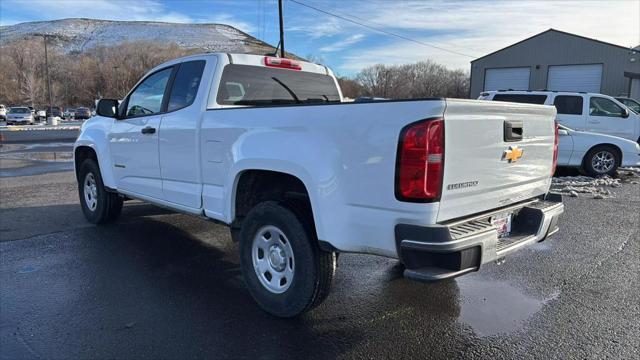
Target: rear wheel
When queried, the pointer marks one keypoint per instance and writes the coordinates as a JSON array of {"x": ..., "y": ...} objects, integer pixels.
[
  {"x": 98, "y": 205},
  {"x": 285, "y": 270},
  {"x": 601, "y": 160}
]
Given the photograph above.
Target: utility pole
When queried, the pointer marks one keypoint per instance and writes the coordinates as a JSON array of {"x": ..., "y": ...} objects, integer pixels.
[
  {"x": 46, "y": 65},
  {"x": 281, "y": 29}
]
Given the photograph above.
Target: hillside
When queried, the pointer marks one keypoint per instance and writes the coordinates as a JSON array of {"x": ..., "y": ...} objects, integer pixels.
[{"x": 79, "y": 35}]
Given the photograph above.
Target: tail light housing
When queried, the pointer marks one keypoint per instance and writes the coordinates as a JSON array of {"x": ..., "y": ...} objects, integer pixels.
[
  {"x": 282, "y": 63},
  {"x": 420, "y": 161},
  {"x": 555, "y": 149}
]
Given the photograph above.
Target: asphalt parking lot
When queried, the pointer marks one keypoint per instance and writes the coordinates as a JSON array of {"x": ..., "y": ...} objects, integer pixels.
[{"x": 157, "y": 284}]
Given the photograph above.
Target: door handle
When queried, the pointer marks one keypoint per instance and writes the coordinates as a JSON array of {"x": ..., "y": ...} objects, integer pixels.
[
  {"x": 148, "y": 130},
  {"x": 594, "y": 121}
]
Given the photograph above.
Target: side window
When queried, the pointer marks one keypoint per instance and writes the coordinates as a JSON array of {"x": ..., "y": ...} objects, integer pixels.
[
  {"x": 521, "y": 98},
  {"x": 185, "y": 85},
  {"x": 147, "y": 98},
  {"x": 568, "y": 105},
  {"x": 604, "y": 107}
]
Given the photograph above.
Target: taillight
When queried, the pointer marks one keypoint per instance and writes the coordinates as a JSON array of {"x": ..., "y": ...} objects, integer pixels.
[
  {"x": 420, "y": 161},
  {"x": 555, "y": 150},
  {"x": 282, "y": 63}
]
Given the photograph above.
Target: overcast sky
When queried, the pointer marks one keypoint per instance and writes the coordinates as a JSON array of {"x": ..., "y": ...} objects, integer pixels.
[{"x": 467, "y": 29}]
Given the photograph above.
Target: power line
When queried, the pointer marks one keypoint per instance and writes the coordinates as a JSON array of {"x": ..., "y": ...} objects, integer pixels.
[{"x": 380, "y": 30}]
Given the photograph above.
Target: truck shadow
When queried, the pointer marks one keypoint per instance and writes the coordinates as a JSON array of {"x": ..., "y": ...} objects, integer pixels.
[{"x": 161, "y": 284}]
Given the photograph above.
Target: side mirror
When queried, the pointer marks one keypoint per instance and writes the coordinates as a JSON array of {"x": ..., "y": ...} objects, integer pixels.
[
  {"x": 625, "y": 113},
  {"x": 563, "y": 132},
  {"x": 107, "y": 107}
]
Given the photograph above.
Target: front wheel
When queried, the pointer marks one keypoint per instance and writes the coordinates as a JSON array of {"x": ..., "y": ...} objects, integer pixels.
[
  {"x": 601, "y": 160},
  {"x": 284, "y": 269},
  {"x": 98, "y": 205}
]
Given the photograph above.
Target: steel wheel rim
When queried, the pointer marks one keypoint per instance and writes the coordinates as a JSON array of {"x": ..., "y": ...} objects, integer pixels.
[
  {"x": 603, "y": 161},
  {"x": 90, "y": 192},
  {"x": 272, "y": 257}
]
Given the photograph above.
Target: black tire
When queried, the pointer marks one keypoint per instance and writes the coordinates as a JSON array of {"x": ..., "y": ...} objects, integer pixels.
[
  {"x": 108, "y": 205},
  {"x": 314, "y": 268},
  {"x": 608, "y": 151}
]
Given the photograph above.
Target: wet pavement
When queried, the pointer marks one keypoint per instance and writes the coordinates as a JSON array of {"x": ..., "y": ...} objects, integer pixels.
[
  {"x": 23, "y": 159},
  {"x": 157, "y": 284}
]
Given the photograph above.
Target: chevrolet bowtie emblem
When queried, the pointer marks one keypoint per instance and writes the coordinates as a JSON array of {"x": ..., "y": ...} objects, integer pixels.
[{"x": 512, "y": 154}]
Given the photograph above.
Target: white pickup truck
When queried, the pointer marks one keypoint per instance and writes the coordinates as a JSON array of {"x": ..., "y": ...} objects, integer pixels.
[{"x": 266, "y": 146}]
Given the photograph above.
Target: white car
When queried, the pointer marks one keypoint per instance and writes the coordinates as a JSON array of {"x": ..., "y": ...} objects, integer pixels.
[
  {"x": 596, "y": 154},
  {"x": 596, "y": 113},
  {"x": 3, "y": 113},
  {"x": 266, "y": 146},
  {"x": 20, "y": 115},
  {"x": 41, "y": 115}
]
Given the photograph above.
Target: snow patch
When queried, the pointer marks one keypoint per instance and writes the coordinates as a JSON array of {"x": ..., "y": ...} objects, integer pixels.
[
  {"x": 597, "y": 188},
  {"x": 71, "y": 35}
]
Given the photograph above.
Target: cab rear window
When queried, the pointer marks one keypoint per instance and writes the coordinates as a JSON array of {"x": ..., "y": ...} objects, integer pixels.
[
  {"x": 521, "y": 98},
  {"x": 262, "y": 86}
]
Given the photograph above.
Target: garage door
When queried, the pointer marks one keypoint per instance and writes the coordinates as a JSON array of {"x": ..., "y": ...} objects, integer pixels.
[
  {"x": 507, "y": 78},
  {"x": 575, "y": 78}
]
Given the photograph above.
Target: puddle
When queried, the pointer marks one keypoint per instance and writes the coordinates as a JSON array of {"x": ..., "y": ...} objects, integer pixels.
[
  {"x": 494, "y": 307},
  {"x": 42, "y": 155},
  {"x": 27, "y": 269}
]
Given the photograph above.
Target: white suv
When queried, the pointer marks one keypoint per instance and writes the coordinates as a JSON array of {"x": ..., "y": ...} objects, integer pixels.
[{"x": 580, "y": 111}]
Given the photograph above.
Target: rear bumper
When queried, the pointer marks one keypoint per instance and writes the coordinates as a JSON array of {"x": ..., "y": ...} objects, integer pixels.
[{"x": 449, "y": 250}]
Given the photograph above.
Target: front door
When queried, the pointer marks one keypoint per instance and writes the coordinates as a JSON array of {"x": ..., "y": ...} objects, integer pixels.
[
  {"x": 134, "y": 137},
  {"x": 607, "y": 117}
]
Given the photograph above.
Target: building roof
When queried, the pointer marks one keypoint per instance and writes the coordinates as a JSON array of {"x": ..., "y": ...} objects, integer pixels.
[{"x": 556, "y": 31}]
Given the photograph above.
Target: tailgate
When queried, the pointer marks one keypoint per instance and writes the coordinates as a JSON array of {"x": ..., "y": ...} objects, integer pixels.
[{"x": 488, "y": 167}]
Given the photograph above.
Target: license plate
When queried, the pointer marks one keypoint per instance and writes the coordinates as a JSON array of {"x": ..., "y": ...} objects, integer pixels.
[{"x": 502, "y": 223}]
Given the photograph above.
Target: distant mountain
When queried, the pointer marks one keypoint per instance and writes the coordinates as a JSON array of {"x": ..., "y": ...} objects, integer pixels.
[{"x": 79, "y": 35}]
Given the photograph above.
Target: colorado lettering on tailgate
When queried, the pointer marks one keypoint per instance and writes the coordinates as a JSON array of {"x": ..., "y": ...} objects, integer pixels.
[{"x": 462, "y": 185}]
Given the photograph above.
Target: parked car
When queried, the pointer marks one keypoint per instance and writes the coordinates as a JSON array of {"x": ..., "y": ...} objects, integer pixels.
[
  {"x": 20, "y": 115},
  {"x": 68, "y": 113},
  {"x": 54, "y": 111},
  {"x": 248, "y": 141},
  {"x": 630, "y": 103},
  {"x": 580, "y": 111},
  {"x": 3, "y": 113},
  {"x": 41, "y": 115},
  {"x": 596, "y": 154},
  {"x": 82, "y": 113}
]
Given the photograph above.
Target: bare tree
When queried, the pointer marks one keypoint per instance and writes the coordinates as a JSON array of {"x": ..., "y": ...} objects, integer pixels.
[
  {"x": 77, "y": 79},
  {"x": 24, "y": 59},
  {"x": 419, "y": 80}
]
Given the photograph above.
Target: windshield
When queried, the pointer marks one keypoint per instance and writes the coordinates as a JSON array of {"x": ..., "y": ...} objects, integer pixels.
[
  {"x": 631, "y": 104},
  {"x": 19, "y": 110},
  {"x": 254, "y": 85}
]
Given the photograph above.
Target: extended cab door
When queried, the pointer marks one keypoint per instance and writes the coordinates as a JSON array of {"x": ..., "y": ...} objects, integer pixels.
[
  {"x": 134, "y": 138},
  {"x": 571, "y": 111},
  {"x": 179, "y": 144},
  {"x": 608, "y": 117}
]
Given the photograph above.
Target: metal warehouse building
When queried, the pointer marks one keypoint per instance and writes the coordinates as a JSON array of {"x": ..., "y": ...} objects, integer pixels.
[{"x": 556, "y": 60}]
